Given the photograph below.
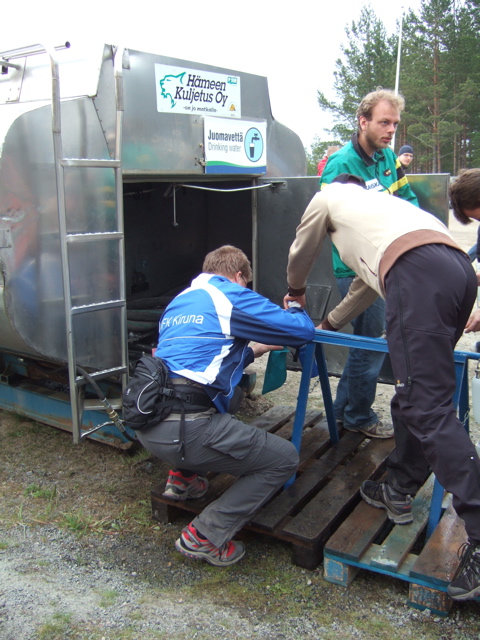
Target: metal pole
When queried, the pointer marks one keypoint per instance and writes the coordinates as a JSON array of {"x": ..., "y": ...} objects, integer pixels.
[
  {"x": 397, "y": 75},
  {"x": 31, "y": 50},
  {"x": 119, "y": 102}
]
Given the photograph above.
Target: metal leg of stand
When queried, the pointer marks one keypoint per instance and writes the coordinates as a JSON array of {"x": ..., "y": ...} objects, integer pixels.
[
  {"x": 460, "y": 400},
  {"x": 313, "y": 351},
  {"x": 302, "y": 400},
  {"x": 326, "y": 393}
]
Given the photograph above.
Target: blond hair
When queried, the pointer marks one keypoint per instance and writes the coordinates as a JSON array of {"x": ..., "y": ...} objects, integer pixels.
[
  {"x": 227, "y": 261},
  {"x": 371, "y": 100}
]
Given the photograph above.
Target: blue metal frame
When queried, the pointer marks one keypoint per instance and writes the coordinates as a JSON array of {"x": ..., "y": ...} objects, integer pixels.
[
  {"x": 22, "y": 395},
  {"x": 315, "y": 349}
]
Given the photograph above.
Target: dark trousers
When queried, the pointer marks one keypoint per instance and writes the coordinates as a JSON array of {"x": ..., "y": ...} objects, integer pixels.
[{"x": 430, "y": 292}]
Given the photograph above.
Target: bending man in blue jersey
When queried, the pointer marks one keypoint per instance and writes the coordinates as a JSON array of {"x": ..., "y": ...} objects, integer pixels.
[{"x": 204, "y": 340}]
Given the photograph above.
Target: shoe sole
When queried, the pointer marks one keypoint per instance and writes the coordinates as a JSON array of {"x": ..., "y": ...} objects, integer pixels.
[
  {"x": 370, "y": 435},
  {"x": 474, "y": 593},
  {"x": 183, "y": 496},
  {"x": 200, "y": 555},
  {"x": 405, "y": 518}
]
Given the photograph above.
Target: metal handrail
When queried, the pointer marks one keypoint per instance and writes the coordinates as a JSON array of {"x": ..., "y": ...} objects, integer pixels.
[{"x": 31, "y": 50}]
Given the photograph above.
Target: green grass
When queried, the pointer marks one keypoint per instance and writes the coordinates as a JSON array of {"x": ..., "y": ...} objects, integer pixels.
[
  {"x": 56, "y": 628},
  {"x": 108, "y": 598},
  {"x": 36, "y": 491},
  {"x": 139, "y": 455},
  {"x": 16, "y": 420},
  {"x": 79, "y": 523},
  {"x": 44, "y": 563}
]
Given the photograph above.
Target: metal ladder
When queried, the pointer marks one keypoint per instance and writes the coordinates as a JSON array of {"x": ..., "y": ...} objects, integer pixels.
[{"x": 77, "y": 379}]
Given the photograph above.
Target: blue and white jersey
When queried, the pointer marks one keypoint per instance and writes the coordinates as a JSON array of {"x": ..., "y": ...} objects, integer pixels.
[{"x": 205, "y": 330}]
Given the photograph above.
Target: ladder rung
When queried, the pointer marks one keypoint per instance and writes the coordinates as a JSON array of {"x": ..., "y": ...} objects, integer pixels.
[
  {"x": 86, "y": 162},
  {"x": 97, "y": 306},
  {"x": 91, "y": 404},
  {"x": 87, "y": 237},
  {"x": 98, "y": 375}
]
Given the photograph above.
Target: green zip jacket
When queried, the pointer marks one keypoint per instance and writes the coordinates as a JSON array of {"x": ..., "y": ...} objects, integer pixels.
[{"x": 382, "y": 172}]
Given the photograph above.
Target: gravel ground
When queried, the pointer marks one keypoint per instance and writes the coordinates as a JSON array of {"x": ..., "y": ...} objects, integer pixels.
[
  {"x": 55, "y": 586},
  {"x": 80, "y": 557}
]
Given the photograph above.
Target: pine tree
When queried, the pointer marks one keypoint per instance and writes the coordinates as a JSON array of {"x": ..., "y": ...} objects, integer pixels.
[
  {"x": 439, "y": 78},
  {"x": 369, "y": 62},
  {"x": 433, "y": 84}
]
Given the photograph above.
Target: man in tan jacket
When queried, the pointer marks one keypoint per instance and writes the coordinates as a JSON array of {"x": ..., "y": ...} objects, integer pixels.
[{"x": 409, "y": 258}]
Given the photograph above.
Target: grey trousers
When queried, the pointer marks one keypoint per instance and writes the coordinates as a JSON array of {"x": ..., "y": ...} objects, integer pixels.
[{"x": 263, "y": 462}]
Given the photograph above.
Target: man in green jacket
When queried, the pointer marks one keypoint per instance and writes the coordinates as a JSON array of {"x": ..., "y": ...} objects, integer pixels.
[{"x": 367, "y": 155}]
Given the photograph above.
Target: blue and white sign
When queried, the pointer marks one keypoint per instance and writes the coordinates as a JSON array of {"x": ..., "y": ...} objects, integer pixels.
[
  {"x": 197, "y": 92},
  {"x": 235, "y": 146}
]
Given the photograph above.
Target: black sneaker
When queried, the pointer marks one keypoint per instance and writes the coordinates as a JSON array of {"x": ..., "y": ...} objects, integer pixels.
[
  {"x": 380, "y": 495},
  {"x": 467, "y": 585}
]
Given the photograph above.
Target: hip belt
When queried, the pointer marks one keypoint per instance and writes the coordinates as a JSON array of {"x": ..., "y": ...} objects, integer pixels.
[{"x": 190, "y": 397}]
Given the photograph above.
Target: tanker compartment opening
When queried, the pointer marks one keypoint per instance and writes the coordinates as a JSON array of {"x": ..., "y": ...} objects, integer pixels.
[{"x": 169, "y": 228}]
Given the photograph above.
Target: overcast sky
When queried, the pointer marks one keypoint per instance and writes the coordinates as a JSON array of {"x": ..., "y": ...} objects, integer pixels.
[{"x": 294, "y": 44}]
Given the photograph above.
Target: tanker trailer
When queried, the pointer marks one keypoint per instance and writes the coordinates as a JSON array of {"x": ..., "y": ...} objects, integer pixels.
[{"x": 119, "y": 171}]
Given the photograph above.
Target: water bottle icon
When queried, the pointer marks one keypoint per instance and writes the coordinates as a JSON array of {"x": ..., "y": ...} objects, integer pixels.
[{"x": 252, "y": 145}]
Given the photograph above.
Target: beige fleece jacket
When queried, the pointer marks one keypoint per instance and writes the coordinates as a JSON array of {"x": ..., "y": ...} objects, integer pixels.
[{"x": 371, "y": 230}]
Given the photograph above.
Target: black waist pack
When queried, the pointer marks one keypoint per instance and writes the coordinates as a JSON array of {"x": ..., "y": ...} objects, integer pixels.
[{"x": 149, "y": 395}]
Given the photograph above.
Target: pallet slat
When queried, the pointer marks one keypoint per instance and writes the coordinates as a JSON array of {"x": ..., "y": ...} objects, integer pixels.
[
  {"x": 402, "y": 571},
  {"x": 357, "y": 532},
  {"x": 316, "y": 519},
  {"x": 402, "y": 538},
  {"x": 306, "y": 484},
  {"x": 311, "y": 418},
  {"x": 274, "y": 418},
  {"x": 438, "y": 561}
]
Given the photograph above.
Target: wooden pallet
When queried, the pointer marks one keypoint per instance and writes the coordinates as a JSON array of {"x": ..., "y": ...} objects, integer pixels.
[
  {"x": 367, "y": 540},
  {"x": 325, "y": 491}
]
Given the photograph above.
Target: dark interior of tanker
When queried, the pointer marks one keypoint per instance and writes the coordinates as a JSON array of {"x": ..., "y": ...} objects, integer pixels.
[{"x": 169, "y": 228}]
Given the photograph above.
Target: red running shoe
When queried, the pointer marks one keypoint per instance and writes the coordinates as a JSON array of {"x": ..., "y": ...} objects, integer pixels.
[
  {"x": 190, "y": 544},
  {"x": 180, "y": 488}
]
